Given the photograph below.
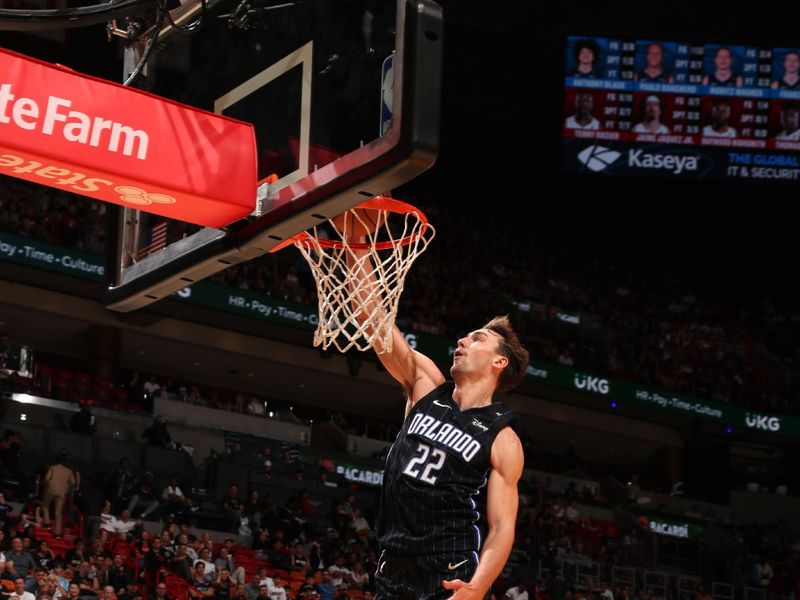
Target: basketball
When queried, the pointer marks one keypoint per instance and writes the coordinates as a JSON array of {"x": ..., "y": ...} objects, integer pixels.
[{"x": 357, "y": 223}]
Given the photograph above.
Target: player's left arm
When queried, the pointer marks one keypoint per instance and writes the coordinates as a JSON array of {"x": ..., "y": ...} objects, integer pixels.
[{"x": 502, "y": 501}]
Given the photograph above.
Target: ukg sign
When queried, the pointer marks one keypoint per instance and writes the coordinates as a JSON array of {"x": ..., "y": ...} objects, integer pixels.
[{"x": 116, "y": 144}]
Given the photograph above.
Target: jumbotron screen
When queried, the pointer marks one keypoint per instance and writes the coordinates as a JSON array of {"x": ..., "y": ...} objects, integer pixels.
[{"x": 667, "y": 108}]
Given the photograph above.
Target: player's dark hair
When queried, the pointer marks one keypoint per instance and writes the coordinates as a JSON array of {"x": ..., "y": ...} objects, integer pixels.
[
  {"x": 510, "y": 347},
  {"x": 587, "y": 43}
]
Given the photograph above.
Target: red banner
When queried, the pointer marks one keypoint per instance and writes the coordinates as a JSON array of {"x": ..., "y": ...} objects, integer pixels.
[{"x": 117, "y": 144}]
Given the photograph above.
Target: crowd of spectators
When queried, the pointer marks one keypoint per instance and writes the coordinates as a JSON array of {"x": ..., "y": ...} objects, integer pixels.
[
  {"x": 627, "y": 322},
  {"x": 140, "y": 545},
  {"x": 52, "y": 215}
]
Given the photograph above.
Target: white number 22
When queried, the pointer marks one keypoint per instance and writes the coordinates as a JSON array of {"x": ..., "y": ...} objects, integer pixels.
[{"x": 415, "y": 464}]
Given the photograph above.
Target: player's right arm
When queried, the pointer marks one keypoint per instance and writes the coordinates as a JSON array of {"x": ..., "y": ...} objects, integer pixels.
[{"x": 415, "y": 372}]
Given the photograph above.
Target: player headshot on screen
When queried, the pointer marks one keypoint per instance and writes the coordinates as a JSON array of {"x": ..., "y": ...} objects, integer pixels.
[
  {"x": 720, "y": 120},
  {"x": 583, "y": 119},
  {"x": 791, "y": 72},
  {"x": 651, "y": 117},
  {"x": 790, "y": 121},
  {"x": 654, "y": 65},
  {"x": 586, "y": 53},
  {"x": 723, "y": 69}
]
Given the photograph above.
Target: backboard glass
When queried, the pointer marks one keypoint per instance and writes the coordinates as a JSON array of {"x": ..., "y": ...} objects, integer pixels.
[{"x": 344, "y": 99}]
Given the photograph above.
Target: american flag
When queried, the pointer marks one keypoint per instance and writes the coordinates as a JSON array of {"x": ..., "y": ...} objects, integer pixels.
[{"x": 158, "y": 239}]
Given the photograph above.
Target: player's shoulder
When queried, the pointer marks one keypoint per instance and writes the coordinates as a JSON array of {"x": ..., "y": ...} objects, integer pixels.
[
  {"x": 508, "y": 439},
  {"x": 507, "y": 454}
]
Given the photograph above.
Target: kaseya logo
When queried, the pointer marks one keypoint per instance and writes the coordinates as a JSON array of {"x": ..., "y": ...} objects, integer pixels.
[
  {"x": 597, "y": 158},
  {"x": 763, "y": 422}
]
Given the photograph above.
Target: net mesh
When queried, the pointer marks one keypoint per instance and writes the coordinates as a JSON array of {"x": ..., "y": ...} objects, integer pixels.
[{"x": 360, "y": 280}]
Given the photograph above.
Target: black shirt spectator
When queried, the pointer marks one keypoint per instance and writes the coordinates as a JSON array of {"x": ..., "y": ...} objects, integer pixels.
[
  {"x": 76, "y": 555},
  {"x": 83, "y": 421},
  {"x": 118, "y": 575},
  {"x": 123, "y": 483},
  {"x": 157, "y": 434}
]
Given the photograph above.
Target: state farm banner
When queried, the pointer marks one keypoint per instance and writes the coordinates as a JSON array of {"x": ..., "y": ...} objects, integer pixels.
[{"x": 117, "y": 144}]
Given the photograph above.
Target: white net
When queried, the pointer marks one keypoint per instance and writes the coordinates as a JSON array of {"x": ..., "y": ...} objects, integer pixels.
[{"x": 360, "y": 279}]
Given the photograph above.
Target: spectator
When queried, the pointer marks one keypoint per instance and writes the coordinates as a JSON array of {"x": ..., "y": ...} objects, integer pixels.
[
  {"x": 325, "y": 587},
  {"x": 23, "y": 562},
  {"x": 518, "y": 592},
  {"x": 57, "y": 481},
  {"x": 83, "y": 421},
  {"x": 233, "y": 507},
  {"x": 160, "y": 592},
  {"x": 19, "y": 590},
  {"x": 145, "y": 497},
  {"x": 157, "y": 434},
  {"x": 175, "y": 503},
  {"x": 123, "y": 484}
]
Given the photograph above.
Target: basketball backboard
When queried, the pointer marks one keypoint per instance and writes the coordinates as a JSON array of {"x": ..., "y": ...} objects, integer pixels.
[{"x": 344, "y": 98}]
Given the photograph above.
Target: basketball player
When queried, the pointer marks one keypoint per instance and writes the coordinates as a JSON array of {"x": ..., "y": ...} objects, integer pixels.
[
  {"x": 654, "y": 65},
  {"x": 651, "y": 117},
  {"x": 723, "y": 70},
  {"x": 791, "y": 72},
  {"x": 454, "y": 458},
  {"x": 720, "y": 125},
  {"x": 790, "y": 120},
  {"x": 582, "y": 119}
]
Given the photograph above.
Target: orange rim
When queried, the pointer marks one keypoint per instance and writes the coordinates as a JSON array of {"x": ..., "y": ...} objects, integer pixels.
[{"x": 377, "y": 203}]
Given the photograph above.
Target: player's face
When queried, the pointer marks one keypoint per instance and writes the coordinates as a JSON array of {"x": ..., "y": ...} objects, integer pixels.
[
  {"x": 652, "y": 110},
  {"x": 791, "y": 119},
  {"x": 654, "y": 56},
  {"x": 791, "y": 63},
  {"x": 475, "y": 353},
  {"x": 723, "y": 59},
  {"x": 584, "y": 104},
  {"x": 721, "y": 113},
  {"x": 586, "y": 56}
]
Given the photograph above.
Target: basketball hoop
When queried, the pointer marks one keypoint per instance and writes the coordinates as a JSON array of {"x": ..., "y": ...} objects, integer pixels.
[{"x": 359, "y": 282}]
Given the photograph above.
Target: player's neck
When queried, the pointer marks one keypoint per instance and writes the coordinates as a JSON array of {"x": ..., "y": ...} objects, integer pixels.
[{"x": 473, "y": 394}]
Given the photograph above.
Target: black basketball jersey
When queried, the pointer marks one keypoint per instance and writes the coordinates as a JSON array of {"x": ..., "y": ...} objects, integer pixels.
[
  {"x": 712, "y": 80},
  {"x": 435, "y": 474},
  {"x": 662, "y": 77}
]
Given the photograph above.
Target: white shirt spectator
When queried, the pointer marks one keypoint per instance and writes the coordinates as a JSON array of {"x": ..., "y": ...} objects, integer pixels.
[
  {"x": 339, "y": 575},
  {"x": 572, "y": 513},
  {"x": 211, "y": 568},
  {"x": 23, "y": 596},
  {"x": 256, "y": 407},
  {"x": 169, "y": 491},
  {"x": 514, "y": 593},
  {"x": 275, "y": 592}
]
